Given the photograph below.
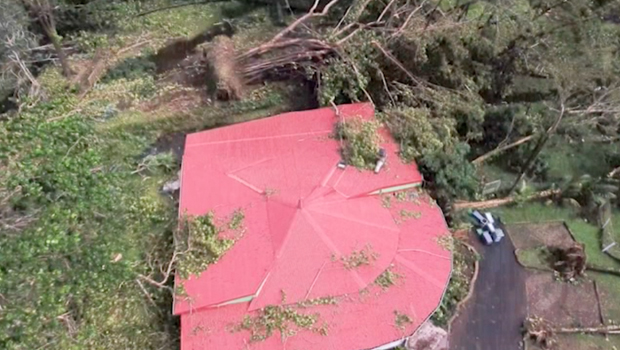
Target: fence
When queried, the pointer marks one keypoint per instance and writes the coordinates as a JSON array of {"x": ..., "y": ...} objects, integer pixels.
[{"x": 608, "y": 238}]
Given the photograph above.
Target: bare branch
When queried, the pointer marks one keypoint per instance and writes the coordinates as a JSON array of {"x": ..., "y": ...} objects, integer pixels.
[
  {"x": 385, "y": 10},
  {"x": 396, "y": 62},
  {"x": 406, "y": 23},
  {"x": 501, "y": 149}
]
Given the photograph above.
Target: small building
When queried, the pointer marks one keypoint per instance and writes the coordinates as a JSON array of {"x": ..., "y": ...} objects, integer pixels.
[{"x": 330, "y": 257}]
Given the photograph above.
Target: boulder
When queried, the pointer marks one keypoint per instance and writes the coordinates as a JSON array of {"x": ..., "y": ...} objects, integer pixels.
[{"x": 428, "y": 337}]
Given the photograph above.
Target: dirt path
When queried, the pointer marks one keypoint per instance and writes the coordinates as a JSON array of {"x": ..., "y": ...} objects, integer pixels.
[{"x": 492, "y": 319}]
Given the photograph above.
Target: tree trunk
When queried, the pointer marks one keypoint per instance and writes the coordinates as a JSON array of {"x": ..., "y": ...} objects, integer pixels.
[
  {"x": 492, "y": 203},
  {"x": 539, "y": 147},
  {"x": 49, "y": 26}
]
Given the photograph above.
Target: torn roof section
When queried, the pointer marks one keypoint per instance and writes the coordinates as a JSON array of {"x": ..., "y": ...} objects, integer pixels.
[{"x": 313, "y": 230}]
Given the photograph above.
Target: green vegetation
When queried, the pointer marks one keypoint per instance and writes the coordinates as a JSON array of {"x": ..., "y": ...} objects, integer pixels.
[
  {"x": 458, "y": 286},
  {"x": 387, "y": 279},
  {"x": 318, "y": 301},
  {"x": 535, "y": 258},
  {"x": 586, "y": 233},
  {"x": 91, "y": 92},
  {"x": 75, "y": 220},
  {"x": 200, "y": 244},
  {"x": 283, "y": 319},
  {"x": 361, "y": 141},
  {"x": 86, "y": 235},
  {"x": 583, "y": 231},
  {"x": 401, "y": 320}
]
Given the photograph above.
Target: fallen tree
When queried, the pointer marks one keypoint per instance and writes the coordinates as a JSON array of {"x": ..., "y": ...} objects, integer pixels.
[
  {"x": 544, "y": 334},
  {"x": 492, "y": 203}
]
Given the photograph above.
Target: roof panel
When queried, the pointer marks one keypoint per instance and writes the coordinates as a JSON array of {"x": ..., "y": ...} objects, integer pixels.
[{"x": 304, "y": 217}]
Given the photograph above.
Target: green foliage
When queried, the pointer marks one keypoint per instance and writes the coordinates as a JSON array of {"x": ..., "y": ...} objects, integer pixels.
[
  {"x": 417, "y": 132},
  {"x": 387, "y": 279},
  {"x": 201, "y": 242},
  {"x": 160, "y": 162},
  {"x": 450, "y": 172},
  {"x": 535, "y": 258},
  {"x": 361, "y": 142},
  {"x": 132, "y": 68},
  {"x": 458, "y": 287},
  {"x": 68, "y": 276},
  {"x": 349, "y": 77},
  {"x": 591, "y": 192},
  {"x": 283, "y": 319}
]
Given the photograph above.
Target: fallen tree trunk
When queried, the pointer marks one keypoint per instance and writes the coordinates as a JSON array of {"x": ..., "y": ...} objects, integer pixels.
[
  {"x": 502, "y": 201},
  {"x": 602, "y": 269},
  {"x": 596, "y": 330}
]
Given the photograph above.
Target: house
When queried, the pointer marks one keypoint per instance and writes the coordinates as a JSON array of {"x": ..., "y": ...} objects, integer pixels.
[{"x": 329, "y": 258}]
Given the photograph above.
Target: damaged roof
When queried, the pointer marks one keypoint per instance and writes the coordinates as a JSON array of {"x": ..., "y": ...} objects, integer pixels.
[{"x": 329, "y": 258}]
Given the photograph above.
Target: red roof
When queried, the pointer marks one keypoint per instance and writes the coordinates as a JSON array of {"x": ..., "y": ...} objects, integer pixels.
[{"x": 304, "y": 218}]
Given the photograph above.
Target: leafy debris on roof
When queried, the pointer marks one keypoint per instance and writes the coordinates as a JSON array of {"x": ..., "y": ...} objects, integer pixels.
[
  {"x": 361, "y": 142},
  {"x": 387, "y": 279},
  {"x": 401, "y": 320},
  {"x": 359, "y": 258},
  {"x": 199, "y": 243},
  {"x": 283, "y": 319},
  {"x": 329, "y": 300},
  {"x": 408, "y": 214},
  {"x": 386, "y": 201},
  {"x": 445, "y": 241}
]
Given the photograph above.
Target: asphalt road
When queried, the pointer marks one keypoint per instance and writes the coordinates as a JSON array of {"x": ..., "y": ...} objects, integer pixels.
[{"x": 493, "y": 317}]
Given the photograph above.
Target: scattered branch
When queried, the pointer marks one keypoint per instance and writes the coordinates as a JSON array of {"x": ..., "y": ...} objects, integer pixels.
[{"x": 501, "y": 149}]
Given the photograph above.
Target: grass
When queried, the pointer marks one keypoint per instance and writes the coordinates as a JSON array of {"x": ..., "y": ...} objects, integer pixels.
[
  {"x": 84, "y": 190},
  {"x": 584, "y": 232},
  {"x": 535, "y": 258}
]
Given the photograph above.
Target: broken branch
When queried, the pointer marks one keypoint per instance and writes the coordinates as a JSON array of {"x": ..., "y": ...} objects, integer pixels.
[{"x": 498, "y": 150}]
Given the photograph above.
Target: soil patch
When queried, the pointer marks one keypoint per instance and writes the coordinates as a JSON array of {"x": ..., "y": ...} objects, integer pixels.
[
  {"x": 562, "y": 304},
  {"x": 528, "y": 236}
]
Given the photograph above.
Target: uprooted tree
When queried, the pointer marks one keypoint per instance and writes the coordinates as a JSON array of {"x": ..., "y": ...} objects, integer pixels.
[
  {"x": 457, "y": 81},
  {"x": 570, "y": 261},
  {"x": 544, "y": 334}
]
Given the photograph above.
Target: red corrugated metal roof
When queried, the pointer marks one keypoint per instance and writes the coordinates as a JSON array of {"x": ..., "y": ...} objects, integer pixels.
[{"x": 303, "y": 216}]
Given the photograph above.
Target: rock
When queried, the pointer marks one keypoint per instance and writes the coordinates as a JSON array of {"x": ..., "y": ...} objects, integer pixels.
[
  {"x": 571, "y": 203},
  {"x": 428, "y": 337},
  {"x": 171, "y": 186}
]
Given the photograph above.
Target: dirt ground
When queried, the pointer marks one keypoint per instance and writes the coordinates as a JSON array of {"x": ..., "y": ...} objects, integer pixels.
[
  {"x": 561, "y": 303},
  {"x": 527, "y": 236}
]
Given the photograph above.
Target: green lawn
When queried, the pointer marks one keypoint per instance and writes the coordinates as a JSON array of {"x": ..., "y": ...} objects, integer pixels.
[
  {"x": 587, "y": 233},
  {"x": 583, "y": 231}
]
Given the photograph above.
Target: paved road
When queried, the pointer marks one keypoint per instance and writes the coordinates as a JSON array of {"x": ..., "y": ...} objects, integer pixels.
[{"x": 493, "y": 317}]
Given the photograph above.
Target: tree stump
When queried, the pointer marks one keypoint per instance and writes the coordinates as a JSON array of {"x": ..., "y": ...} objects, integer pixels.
[{"x": 221, "y": 57}]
